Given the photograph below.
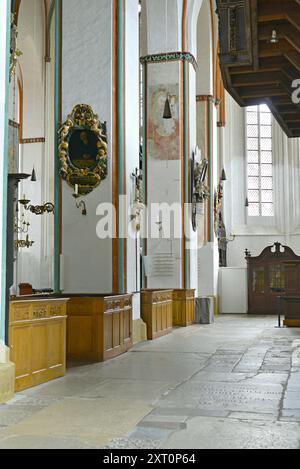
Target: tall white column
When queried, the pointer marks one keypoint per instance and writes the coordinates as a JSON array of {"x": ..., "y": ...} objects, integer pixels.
[
  {"x": 169, "y": 70},
  {"x": 100, "y": 67}
]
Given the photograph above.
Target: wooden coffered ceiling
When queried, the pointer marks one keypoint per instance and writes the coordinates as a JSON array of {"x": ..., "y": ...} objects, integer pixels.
[{"x": 268, "y": 74}]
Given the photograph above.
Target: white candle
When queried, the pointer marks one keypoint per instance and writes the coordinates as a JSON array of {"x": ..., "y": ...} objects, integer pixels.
[{"x": 76, "y": 189}]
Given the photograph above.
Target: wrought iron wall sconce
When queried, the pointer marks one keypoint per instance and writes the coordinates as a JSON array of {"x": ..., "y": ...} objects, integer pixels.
[
  {"x": 21, "y": 243},
  {"x": 21, "y": 226},
  {"x": 48, "y": 207},
  {"x": 231, "y": 239}
]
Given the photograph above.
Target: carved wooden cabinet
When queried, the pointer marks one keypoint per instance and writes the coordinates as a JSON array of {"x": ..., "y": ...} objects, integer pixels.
[
  {"x": 272, "y": 274},
  {"x": 37, "y": 337},
  {"x": 156, "y": 306},
  {"x": 235, "y": 32},
  {"x": 183, "y": 307},
  {"x": 99, "y": 327}
]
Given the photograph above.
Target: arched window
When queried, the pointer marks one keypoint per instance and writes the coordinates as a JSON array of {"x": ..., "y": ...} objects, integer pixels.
[{"x": 259, "y": 161}]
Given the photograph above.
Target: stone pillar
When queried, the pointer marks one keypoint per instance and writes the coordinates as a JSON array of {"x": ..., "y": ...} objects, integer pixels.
[
  {"x": 100, "y": 67},
  {"x": 168, "y": 71},
  {"x": 6, "y": 367},
  {"x": 208, "y": 256}
]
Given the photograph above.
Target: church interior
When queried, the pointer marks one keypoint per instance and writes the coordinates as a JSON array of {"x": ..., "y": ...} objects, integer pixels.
[{"x": 150, "y": 224}]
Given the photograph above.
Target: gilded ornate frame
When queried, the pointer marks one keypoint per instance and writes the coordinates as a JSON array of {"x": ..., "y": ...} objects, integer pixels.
[{"x": 87, "y": 179}]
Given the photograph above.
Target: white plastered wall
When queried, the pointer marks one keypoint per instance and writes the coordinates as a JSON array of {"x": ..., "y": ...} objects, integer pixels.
[{"x": 87, "y": 79}]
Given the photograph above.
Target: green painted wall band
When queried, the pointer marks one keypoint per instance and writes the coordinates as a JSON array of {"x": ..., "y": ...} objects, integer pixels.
[
  {"x": 4, "y": 171},
  {"x": 120, "y": 131},
  {"x": 144, "y": 163},
  {"x": 56, "y": 165},
  {"x": 186, "y": 172}
]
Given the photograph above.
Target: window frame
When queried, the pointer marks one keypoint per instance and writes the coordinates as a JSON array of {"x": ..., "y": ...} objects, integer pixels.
[{"x": 259, "y": 219}]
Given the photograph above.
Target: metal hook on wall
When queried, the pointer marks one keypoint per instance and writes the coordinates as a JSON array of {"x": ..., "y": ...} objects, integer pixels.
[{"x": 82, "y": 205}]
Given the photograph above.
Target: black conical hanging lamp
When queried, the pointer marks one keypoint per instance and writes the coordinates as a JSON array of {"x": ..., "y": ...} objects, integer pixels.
[
  {"x": 223, "y": 176},
  {"x": 33, "y": 175},
  {"x": 167, "y": 109}
]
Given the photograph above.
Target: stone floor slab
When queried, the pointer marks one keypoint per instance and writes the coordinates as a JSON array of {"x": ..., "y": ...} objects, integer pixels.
[{"x": 212, "y": 433}]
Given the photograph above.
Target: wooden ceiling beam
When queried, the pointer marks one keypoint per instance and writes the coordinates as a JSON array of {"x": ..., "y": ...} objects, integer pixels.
[
  {"x": 294, "y": 58},
  {"x": 258, "y": 92},
  {"x": 274, "y": 50},
  {"x": 271, "y": 12},
  {"x": 266, "y": 64},
  {"x": 282, "y": 101},
  {"x": 294, "y": 118},
  {"x": 257, "y": 79},
  {"x": 279, "y": 118},
  {"x": 294, "y": 125}
]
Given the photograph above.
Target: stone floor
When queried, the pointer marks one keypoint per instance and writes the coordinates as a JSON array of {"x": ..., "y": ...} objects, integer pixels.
[{"x": 235, "y": 384}]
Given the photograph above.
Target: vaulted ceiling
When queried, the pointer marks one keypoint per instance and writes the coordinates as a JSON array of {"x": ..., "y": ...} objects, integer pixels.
[{"x": 266, "y": 71}]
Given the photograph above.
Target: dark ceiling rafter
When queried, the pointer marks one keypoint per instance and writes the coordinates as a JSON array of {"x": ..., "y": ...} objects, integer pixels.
[{"x": 268, "y": 74}]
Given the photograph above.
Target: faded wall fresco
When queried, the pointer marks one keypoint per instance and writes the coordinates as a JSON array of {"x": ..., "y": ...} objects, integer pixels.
[{"x": 163, "y": 134}]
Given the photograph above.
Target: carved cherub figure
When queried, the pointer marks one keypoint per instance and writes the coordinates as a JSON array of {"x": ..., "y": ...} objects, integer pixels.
[{"x": 65, "y": 128}]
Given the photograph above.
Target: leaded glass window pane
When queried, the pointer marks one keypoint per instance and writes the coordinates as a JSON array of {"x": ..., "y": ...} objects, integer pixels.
[
  {"x": 266, "y": 131},
  {"x": 266, "y": 170},
  {"x": 266, "y": 157},
  {"x": 252, "y": 131},
  {"x": 253, "y": 157},
  {"x": 266, "y": 144},
  {"x": 266, "y": 118},
  {"x": 254, "y": 210},
  {"x": 253, "y": 170},
  {"x": 253, "y": 183},
  {"x": 266, "y": 183},
  {"x": 252, "y": 143}
]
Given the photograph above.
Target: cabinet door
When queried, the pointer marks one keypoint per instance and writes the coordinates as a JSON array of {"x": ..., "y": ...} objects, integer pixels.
[
  {"x": 20, "y": 346},
  {"x": 257, "y": 290},
  {"x": 56, "y": 344}
]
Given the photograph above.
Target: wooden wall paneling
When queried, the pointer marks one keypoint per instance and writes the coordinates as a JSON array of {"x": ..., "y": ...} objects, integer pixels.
[
  {"x": 38, "y": 341},
  {"x": 156, "y": 309},
  {"x": 183, "y": 307},
  {"x": 99, "y": 328}
]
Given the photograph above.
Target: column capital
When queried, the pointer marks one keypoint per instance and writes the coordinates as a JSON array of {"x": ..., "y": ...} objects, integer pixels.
[{"x": 170, "y": 57}]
